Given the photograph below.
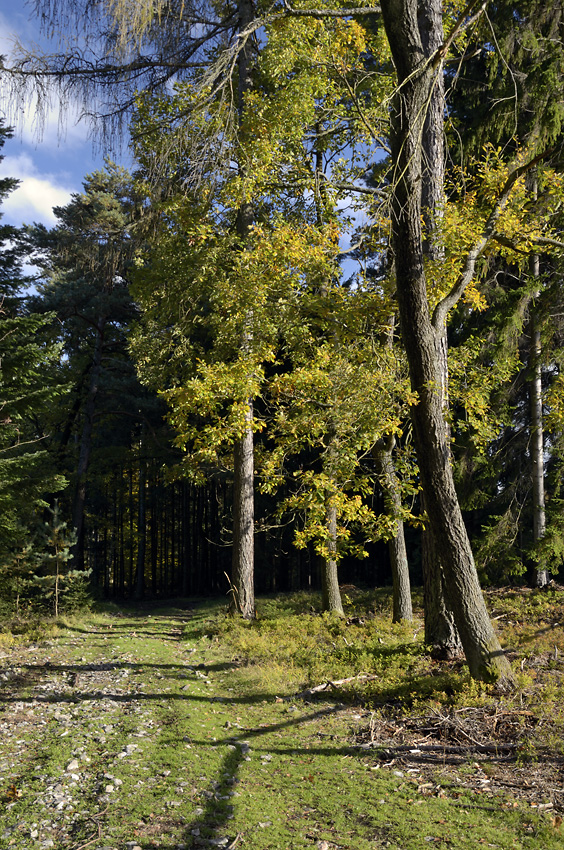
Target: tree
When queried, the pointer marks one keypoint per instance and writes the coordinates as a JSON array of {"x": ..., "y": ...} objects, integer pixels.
[
  {"x": 506, "y": 97},
  {"x": 266, "y": 144},
  {"x": 53, "y": 576},
  {"x": 421, "y": 334},
  {"x": 28, "y": 387}
]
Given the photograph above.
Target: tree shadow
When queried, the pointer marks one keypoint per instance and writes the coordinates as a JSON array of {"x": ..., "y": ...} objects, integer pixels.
[{"x": 212, "y": 820}]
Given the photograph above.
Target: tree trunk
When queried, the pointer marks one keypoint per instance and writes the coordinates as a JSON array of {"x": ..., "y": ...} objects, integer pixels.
[
  {"x": 542, "y": 575},
  {"x": 440, "y": 630},
  {"x": 242, "y": 576},
  {"x": 130, "y": 578},
  {"x": 416, "y": 78},
  {"x": 330, "y": 592},
  {"x": 186, "y": 493},
  {"x": 402, "y": 609},
  {"x": 441, "y": 633},
  {"x": 242, "y": 573}
]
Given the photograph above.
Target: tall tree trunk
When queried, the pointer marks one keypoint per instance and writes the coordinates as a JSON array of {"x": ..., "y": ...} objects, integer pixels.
[
  {"x": 130, "y": 577},
  {"x": 440, "y": 629},
  {"x": 402, "y": 609},
  {"x": 536, "y": 441},
  {"x": 416, "y": 78},
  {"x": 242, "y": 571},
  {"x": 154, "y": 537},
  {"x": 186, "y": 492},
  {"x": 86, "y": 447},
  {"x": 242, "y": 576},
  {"x": 542, "y": 575},
  {"x": 330, "y": 592}
]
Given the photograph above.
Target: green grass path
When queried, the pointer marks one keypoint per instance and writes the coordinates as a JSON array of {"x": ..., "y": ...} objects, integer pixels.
[{"x": 143, "y": 731}]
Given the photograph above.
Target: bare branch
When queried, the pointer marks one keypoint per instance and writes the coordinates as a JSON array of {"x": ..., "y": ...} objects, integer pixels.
[
  {"x": 546, "y": 240},
  {"x": 535, "y": 240},
  {"x": 464, "y": 20}
]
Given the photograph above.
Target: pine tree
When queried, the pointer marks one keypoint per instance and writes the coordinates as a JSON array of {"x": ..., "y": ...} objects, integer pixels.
[
  {"x": 28, "y": 387},
  {"x": 84, "y": 261}
]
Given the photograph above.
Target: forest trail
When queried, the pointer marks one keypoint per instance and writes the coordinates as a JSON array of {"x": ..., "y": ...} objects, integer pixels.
[
  {"x": 119, "y": 734},
  {"x": 139, "y": 731}
]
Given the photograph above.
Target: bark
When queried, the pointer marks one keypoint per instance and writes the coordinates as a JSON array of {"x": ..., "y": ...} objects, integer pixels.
[
  {"x": 86, "y": 447},
  {"x": 402, "y": 609},
  {"x": 242, "y": 576},
  {"x": 331, "y": 594},
  {"x": 542, "y": 576},
  {"x": 440, "y": 630},
  {"x": 242, "y": 572},
  {"x": 416, "y": 77},
  {"x": 441, "y": 634}
]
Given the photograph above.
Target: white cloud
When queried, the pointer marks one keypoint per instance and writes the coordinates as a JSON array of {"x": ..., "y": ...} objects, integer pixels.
[
  {"x": 52, "y": 130},
  {"x": 37, "y": 193}
]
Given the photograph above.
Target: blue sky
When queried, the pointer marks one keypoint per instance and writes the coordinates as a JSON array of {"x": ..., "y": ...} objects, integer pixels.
[{"x": 51, "y": 166}]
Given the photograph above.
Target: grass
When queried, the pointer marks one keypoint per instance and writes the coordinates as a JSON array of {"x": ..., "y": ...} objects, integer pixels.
[{"x": 222, "y": 749}]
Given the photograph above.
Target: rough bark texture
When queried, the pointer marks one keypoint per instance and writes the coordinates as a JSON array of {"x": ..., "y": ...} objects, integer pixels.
[
  {"x": 242, "y": 577},
  {"x": 402, "y": 608},
  {"x": 440, "y": 630},
  {"x": 485, "y": 657},
  {"x": 331, "y": 594},
  {"x": 242, "y": 573},
  {"x": 441, "y": 633},
  {"x": 542, "y": 576}
]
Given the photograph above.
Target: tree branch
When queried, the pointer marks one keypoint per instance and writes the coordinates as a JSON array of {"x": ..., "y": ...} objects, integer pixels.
[
  {"x": 469, "y": 270},
  {"x": 463, "y": 22},
  {"x": 330, "y": 13}
]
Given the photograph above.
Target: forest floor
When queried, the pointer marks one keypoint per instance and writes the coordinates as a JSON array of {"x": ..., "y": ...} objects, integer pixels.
[{"x": 178, "y": 728}]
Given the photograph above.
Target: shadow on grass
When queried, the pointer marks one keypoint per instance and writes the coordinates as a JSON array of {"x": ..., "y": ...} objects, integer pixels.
[{"x": 405, "y": 692}]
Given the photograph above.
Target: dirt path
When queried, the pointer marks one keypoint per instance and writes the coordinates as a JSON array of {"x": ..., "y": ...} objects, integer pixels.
[
  {"x": 140, "y": 732},
  {"x": 122, "y": 735}
]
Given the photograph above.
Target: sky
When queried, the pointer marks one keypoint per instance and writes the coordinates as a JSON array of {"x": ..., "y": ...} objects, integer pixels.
[
  {"x": 51, "y": 166},
  {"x": 54, "y": 164}
]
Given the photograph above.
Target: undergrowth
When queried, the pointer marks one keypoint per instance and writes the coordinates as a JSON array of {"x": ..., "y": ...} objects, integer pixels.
[{"x": 292, "y": 646}]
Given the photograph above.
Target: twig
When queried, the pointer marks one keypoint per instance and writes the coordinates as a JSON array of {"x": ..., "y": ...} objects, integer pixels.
[
  {"x": 99, "y": 825},
  {"x": 235, "y": 841},
  {"x": 92, "y": 840}
]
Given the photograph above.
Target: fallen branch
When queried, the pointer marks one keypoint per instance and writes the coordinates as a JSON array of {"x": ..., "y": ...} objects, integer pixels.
[
  {"x": 333, "y": 684},
  {"x": 438, "y": 748}
]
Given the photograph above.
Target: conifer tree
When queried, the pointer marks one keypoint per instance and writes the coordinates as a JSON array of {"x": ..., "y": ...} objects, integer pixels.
[
  {"x": 84, "y": 261},
  {"x": 28, "y": 387}
]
